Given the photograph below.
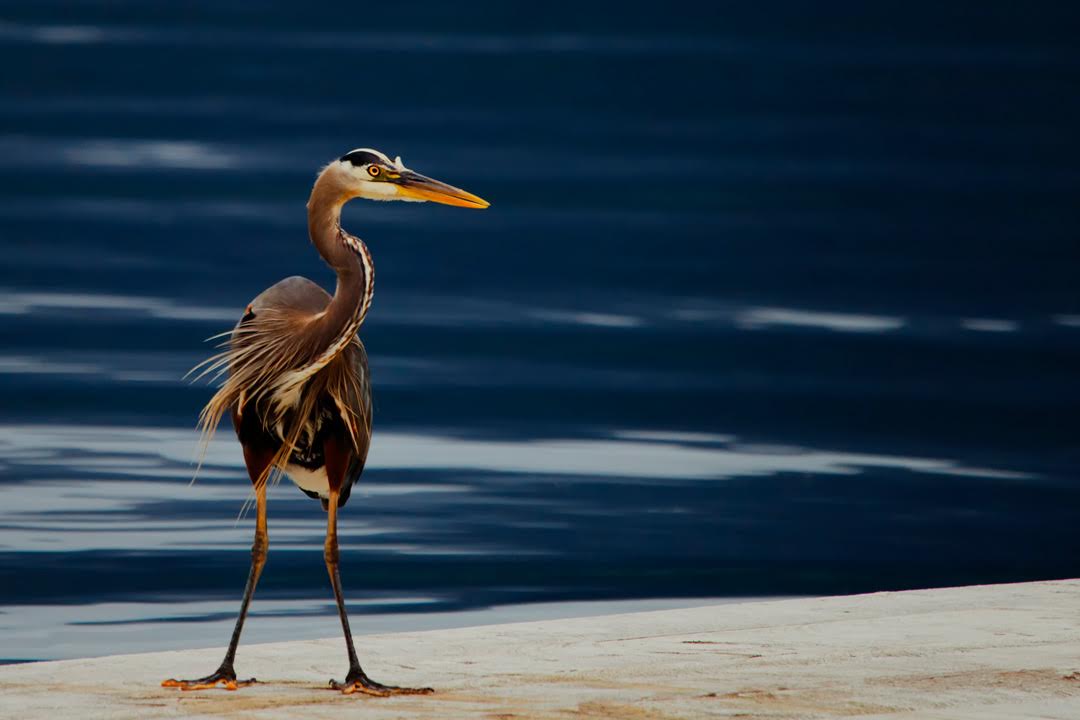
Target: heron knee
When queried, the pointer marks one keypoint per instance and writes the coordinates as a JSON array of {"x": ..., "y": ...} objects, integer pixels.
[
  {"x": 330, "y": 552},
  {"x": 259, "y": 548}
]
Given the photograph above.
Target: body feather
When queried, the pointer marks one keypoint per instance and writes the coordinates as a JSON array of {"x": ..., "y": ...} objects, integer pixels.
[{"x": 288, "y": 366}]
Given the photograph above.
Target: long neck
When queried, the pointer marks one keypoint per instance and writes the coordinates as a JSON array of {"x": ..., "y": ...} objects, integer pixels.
[{"x": 347, "y": 255}]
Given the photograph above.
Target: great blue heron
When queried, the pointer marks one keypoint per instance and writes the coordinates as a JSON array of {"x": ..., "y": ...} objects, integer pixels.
[{"x": 298, "y": 387}]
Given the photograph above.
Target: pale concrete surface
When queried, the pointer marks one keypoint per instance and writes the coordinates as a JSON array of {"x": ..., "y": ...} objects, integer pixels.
[{"x": 992, "y": 653}]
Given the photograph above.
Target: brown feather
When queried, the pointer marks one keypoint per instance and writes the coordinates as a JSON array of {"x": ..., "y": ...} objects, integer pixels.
[{"x": 297, "y": 344}]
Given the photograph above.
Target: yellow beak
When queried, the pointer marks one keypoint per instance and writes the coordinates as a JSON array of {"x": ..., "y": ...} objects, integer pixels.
[{"x": 419, "y": 187}]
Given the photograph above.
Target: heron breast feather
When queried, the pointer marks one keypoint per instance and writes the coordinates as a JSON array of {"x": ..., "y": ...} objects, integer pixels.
[{"x": 314, "y": 481}]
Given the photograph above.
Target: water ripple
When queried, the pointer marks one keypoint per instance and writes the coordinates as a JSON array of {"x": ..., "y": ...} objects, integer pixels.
[{"x": 80, "y": 502}]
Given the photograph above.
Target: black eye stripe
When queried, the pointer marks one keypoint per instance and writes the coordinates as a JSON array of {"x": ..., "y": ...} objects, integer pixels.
[{"x": 359, "y": 158}]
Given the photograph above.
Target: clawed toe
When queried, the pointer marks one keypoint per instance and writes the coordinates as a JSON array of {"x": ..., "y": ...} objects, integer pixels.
[
  {"x": 360, "y": 683},
  {"x": 226, "y": 678}
]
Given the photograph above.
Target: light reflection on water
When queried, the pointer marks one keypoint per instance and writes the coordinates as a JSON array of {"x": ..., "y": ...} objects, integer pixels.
[
  {"x": 628, "y": 455},
  {"x": 121, "y": 490},
  {"x": 698, "y": 314}
]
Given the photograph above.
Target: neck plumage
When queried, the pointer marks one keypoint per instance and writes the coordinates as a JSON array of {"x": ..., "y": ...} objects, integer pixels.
[{"x": 347, "y": 255}]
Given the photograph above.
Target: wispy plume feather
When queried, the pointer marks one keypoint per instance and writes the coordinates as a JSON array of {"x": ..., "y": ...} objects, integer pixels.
[{"x": 279, "y": 361}]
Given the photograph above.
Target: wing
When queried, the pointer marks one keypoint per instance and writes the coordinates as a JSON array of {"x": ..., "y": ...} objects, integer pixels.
[
  {"x": 356, "y": 400},
  {"x": 274, "y": 338},
  {"x": 297, "y": 294}
]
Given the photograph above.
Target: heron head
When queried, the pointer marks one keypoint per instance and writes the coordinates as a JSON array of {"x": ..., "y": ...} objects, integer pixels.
[{"x": 370, "y": 174}]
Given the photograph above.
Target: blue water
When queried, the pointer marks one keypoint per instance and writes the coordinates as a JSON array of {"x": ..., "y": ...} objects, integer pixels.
[{"x": 771, "y": 300}]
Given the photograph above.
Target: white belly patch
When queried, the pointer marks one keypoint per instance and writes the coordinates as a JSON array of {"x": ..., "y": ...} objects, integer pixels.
[{"x": 311, "y": 480}]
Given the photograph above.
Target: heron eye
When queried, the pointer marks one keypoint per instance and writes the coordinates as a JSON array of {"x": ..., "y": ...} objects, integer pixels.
[{"x": 374, "y": 170}]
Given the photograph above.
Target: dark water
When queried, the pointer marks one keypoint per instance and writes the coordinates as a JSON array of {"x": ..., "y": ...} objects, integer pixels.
[{"x": 771, "y": 300}]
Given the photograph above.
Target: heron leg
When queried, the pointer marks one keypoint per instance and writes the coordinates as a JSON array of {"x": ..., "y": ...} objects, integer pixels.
[
  {"x": 356, "y": 681},
  {"x": 225, "y": 675}
]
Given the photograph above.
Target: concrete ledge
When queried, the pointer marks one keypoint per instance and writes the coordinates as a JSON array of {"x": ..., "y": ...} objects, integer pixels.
[{"x": 1005, "y": 651}]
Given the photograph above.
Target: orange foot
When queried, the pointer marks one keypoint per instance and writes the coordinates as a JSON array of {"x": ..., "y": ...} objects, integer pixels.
[
  {"x": 358, "y": 682},
  {"x": 225, "y": 677}
]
